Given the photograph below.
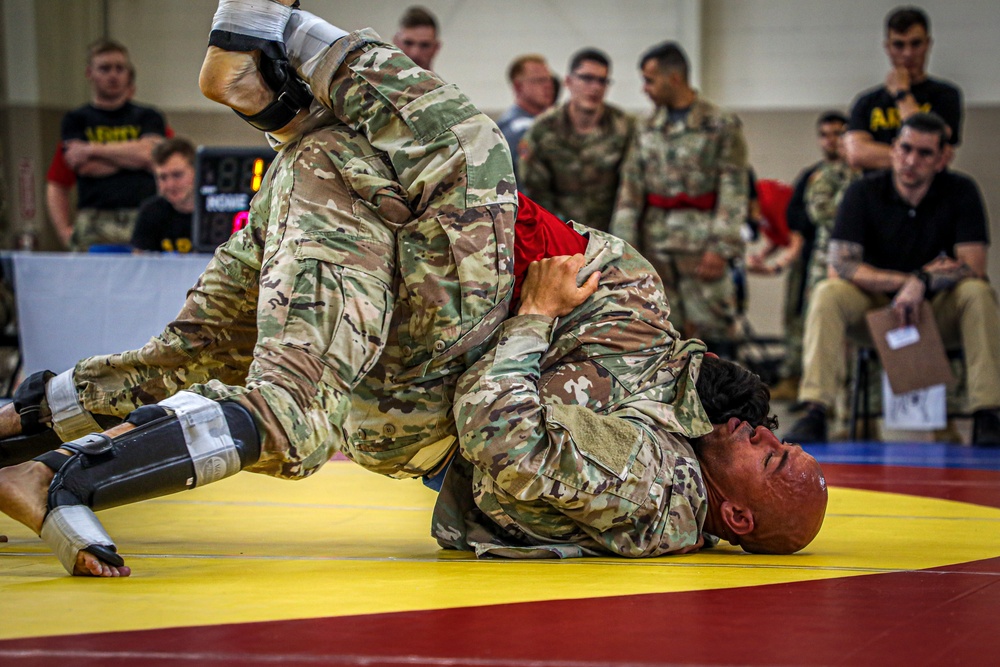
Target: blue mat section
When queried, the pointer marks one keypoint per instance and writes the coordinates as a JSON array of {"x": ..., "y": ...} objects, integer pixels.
[{"x": 923, "y": 454}]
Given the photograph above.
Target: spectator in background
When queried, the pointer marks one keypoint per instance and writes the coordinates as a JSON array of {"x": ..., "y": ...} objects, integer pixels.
[
  {"x": 164, "y": 221},
  {"x": 878, "y": 113},
  {"x": 802, "y": 220},
  {"x": 571, "y": 157},
  {"x": 107, "y": 143},
  {"x": 417, "y": 36},
  {"x": 684, "y": 198},
  {"x": 534, "y": 92}
]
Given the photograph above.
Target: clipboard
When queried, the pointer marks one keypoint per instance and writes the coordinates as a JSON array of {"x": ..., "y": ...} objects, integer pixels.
[{"x": 913, "y": 357}]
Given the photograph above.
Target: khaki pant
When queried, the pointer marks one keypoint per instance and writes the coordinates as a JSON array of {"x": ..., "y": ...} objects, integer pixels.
[{"x": 968, "y": 317}]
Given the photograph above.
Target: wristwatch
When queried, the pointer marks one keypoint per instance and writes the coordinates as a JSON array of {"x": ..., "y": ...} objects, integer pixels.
[
  {"x": 901, "y": 94},
  {"x": 925, "y": 278}
]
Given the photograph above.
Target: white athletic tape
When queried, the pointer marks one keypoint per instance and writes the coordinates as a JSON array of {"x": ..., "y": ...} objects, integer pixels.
[
  {"x": 307, "y": 36},
  {"x": 69, "y": 419},
  {"x": 207, "y": 436},
  {"x": 71, "y": 528},
  {"x": 263, "y": 19}
]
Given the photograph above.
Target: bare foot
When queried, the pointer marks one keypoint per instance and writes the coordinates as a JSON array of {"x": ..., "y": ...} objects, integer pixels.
[
  {"x": 232, "y": 78},
  {"x": 89, "y": 565}
]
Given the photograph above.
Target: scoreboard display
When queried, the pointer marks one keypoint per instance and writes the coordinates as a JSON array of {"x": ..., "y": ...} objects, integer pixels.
[{"x": 226, "y": 179}]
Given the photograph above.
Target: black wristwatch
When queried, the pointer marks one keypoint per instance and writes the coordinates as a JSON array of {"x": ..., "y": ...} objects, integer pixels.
[
  {"x": 900, "y": 95},
  {"x": 925, "y": 278}
]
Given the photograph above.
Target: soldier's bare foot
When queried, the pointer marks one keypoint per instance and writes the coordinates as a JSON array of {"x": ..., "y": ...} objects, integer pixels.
[
  {"x": 232, "y": 78},
  {"x": 89, "y": 565}
]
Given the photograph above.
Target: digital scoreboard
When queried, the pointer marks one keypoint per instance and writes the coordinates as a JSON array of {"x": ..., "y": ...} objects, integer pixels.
[{"x": 226, "y": 179}]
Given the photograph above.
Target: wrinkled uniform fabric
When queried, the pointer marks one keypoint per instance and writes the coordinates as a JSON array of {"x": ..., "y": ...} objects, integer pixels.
[
  {"x": 706, "y": 153},
  {"x": 575, "y": 175},
  {"x": 574, "y": 434},
  {"x": 376, "y": 266}
]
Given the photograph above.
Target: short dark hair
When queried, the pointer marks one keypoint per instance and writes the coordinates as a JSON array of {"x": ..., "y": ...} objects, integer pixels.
[
  {"x": 928, "y": 123},
  {"x": 418, "y": 17},
  {"x": 728, "y": 390},
  {"x": 831, "y": 117},
  {"x": 668, "y": 55},
  {"x": 516, "y": 67},
  {"x": 902, "y": 19},
  {"x": 589, "y": 54},
  {"x": 104, "y": 45},
  {"x": 167, "y": 148}
]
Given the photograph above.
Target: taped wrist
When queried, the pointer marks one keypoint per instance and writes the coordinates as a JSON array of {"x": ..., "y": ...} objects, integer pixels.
[
  {"x": 307, "y": 37},
  {"x": 27, "y": 402}
]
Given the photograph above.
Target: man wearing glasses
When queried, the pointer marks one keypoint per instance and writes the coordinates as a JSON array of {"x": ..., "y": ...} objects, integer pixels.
[
  {"x": 571, "y": 157},
  {"x": 878, "y": 113},
  {"x": 684, "y": 197}
]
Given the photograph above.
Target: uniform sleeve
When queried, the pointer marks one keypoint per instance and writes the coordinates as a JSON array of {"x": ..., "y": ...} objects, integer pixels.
[
  {"x": 605, "y": 472},
  {"x": 631, "y": 201},
  {"x": 733, "y": 193},
  {"x": 533, "y": 172},
  {"x": 850, "y": 221}
]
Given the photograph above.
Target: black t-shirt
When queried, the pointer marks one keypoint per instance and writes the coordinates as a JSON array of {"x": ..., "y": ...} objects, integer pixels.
[
  {"x": 897, "y": 236},
  {"x": 875, "y": 110},
  {"x": 126, "y": 188},
  {"x": 160, "y": 227}
]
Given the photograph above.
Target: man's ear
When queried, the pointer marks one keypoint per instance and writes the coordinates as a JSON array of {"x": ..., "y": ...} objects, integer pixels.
[{"x": 738, "y": 518}]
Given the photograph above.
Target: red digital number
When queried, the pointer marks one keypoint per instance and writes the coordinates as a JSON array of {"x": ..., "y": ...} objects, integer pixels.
[{"x": 240, "y": 220}]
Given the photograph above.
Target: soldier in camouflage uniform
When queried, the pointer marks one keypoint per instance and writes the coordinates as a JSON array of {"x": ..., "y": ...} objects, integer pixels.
[
  {"x": 824, "y": 190},
  {"x": 601, "y": 432},
  {"x": 683, "y": 198},
  {"x": 572, "y": 155}
]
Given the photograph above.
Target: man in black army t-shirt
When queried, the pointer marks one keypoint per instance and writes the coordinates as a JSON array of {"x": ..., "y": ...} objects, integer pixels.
[
  {"x": 164, "y": 222},
  {"x": 878, "y": 113}
]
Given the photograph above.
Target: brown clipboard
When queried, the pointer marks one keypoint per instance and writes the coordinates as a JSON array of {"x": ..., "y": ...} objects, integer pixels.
[{"x": 916, "y": 365}]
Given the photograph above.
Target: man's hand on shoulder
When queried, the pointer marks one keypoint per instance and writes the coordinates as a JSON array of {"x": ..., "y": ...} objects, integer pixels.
[{"x": 550, "y": 288}]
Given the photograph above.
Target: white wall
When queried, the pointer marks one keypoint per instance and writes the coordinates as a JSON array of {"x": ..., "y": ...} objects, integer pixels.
[
  {"x": 784, "y": 54},
  {"x": 480, "y": 37}
]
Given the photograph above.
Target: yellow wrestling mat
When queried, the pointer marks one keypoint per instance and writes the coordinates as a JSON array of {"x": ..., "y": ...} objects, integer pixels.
[{"x": 347, "y": 542}]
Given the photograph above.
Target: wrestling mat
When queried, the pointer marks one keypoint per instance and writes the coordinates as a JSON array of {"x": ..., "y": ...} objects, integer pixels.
[{"x": 339, "y": 569}]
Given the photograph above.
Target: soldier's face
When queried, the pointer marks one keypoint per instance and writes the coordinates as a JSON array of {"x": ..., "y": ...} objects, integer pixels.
[
  {"x": 909, "y": 49},
  {"x": 175, "y": 181},
  {"x": 587, "y": 85},
  {"x": 916, "y": 158},
  {"x": 420, "y": 44},
  {"x": 829, "y": 137},
  {"x": 657, "y": 84},
  {"x": 109, "y": 74},
  {"x": 535, "y": 86}
]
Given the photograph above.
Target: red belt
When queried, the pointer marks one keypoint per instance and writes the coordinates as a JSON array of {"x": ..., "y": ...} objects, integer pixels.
[{"x": 705, "y": 202}]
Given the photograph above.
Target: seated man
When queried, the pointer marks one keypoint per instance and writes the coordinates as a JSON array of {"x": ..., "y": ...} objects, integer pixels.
[
  {"x": 164, "y": 220},
  {"x": 912, "y": 233},
  {"x": 319, "y": 372}
]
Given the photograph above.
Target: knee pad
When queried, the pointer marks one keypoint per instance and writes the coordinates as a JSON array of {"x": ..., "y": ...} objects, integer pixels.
[
  {"x": 27, "y": 401},
  {"x": 258, "y": 25}
]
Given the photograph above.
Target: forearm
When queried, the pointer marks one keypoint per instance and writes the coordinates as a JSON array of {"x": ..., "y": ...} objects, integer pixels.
[
  {"x": 845, "y": 259},
  {"x": 863, "y": 152},
  {"x": 725, "y": 237},
  {"x": 58, "y": 204},
  {"x": 135, "y": 154}
]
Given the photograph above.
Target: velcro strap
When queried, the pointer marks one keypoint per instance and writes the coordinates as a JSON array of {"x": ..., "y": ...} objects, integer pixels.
[
  {"x": 27, "y": 401},
  {"x": 70, "y": 529},
  {"x": 207, "y": 436},
  {"x": 69, "y": 419},
  {"x": 292, "y": 98}
]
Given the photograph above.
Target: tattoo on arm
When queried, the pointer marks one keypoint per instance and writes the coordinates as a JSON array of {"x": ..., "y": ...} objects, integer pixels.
[
  {"x": 942, "y": 281},
  {"x": 845, "y": 257}
]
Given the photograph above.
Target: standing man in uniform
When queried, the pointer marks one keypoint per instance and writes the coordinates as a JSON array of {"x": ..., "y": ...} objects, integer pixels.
[
  {"x": 108, "y": 144},
  {"x": 164, "y": 222},
  {"x": 417, "y": 36},
  {"x": 534, "y": 92},
  {"x": 878, "y": 113},
  {"x": 683, "y": 199},
  {"x": 571, "y": 157}
]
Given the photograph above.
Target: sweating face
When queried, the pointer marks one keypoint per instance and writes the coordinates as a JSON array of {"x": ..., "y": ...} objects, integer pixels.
[{"x": 779, "y": 482}]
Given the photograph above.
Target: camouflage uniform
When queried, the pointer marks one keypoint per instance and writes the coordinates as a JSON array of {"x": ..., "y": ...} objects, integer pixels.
[
  {"x": 575, "y": 175},
  {"x": 823, "y": 193},
  {"x": 379, "y": 246},
  {"x": 94, "y": 226},
  {"x": 574, "y": 433},
  {"x": 705, "y": 154}
]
